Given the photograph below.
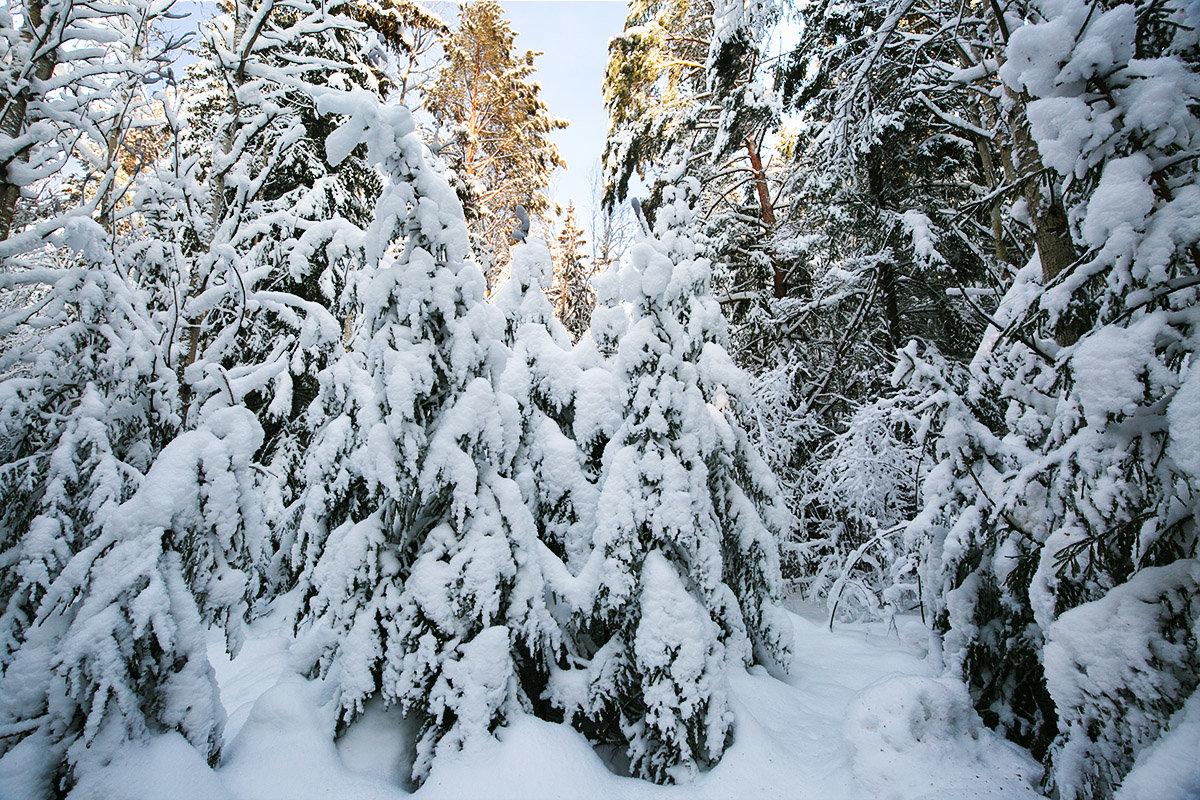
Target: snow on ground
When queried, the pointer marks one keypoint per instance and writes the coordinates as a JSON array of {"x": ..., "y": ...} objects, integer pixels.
[
  {"x": 862, "y": 715},
  {"x": 1169, "y": 768}
]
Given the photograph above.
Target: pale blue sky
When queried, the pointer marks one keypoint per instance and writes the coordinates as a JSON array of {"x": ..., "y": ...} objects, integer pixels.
[{"x": 573, "y": 34}]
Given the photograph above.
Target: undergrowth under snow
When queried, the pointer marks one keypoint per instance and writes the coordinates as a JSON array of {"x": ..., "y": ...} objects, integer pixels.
[{"x": 862, "y": 715}]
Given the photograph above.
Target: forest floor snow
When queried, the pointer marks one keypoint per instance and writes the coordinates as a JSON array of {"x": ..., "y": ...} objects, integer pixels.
[{"x": 862, "y": 714}]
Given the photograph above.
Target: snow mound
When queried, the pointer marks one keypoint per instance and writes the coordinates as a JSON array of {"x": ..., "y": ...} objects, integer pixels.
[
  {"x": 916, "y": 737},
  {"x": 284, "y": 752},
  {"x": 165, "y": 768},
  {"x": 1169, "y": 769},
  {"x": 857, "y": 719},
  {"x": 530, "y": 759}
]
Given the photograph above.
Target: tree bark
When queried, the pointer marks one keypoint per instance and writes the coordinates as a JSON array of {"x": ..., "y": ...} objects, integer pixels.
[
  {"x": 1051, "y": 231},
  {"x": 767, "y": 210},
  {"x": 15, "y": 116}
]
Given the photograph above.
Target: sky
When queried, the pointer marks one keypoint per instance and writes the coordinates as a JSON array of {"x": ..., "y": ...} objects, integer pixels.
[{"x": 573, "y": 35}]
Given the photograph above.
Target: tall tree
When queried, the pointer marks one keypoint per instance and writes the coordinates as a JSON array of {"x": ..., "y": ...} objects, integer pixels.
[
  {"x": 687, "y": 95},
  {"x": 495, "y": 129},
  {"x": 271, "y": 255},
  {"x": 407, "y": 32}
]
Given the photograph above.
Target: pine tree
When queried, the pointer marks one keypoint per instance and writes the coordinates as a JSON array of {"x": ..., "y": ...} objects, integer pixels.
[
  {"x": 685, "y": 558},
  {"x": 495, "y": 129},
  {"x": 573, "y": 295}
]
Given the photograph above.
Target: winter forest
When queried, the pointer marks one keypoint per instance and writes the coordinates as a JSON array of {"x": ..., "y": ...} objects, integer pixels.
[{"x": 847, "y": 446}]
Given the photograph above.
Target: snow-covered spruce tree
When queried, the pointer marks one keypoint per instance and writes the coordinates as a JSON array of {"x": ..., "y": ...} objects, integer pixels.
[
  {"x": 1072, "y": 498},
  {"x": 84, "y": 408},
  {"x": 117, "y": 649},
  {"x": 86, "y": 400},
  {"x": 421, "y": 582},
  {"x": 685, "y": 564},
  {"x": 543, "y": 376},
  {"x": 271, "y": 253},
  {"x": 609, "y": 320},
  {"x": 573, "y": 294},
  {"x": 596, "y": 414}
]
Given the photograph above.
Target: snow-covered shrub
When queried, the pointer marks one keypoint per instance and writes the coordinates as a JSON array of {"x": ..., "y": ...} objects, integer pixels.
[
  {"x": 82, "y": 411},
  {"x": 1118, "y": 668},
  {"x": 857, "y": 494},
  {"x": 267, "y": 258},
  {"x": 914, "y": 736}
]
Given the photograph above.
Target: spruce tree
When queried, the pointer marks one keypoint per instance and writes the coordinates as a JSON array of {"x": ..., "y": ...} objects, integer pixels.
[
  {"x": 1064, "y": 493},
  {"x": 141, "y": 516},
  {"x": 117, "y": 650},
  {"x": 87, "y": 399},
  {"x": 543, "y": 376},
  {"x": 271, "y": 256},
  {"x": 422, "y": 580},
  {"x": 574, "y": 297},
  {"x": 685, "y": 561}
]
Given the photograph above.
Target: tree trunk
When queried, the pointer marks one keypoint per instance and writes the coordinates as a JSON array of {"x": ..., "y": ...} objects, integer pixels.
[
  {"x": 1051, "y": 231},
  {"x": 14, "y": 120},
  {"x": 222, "y": 148},
  {"x": 767, "y": 210},
  {"x": 984, "y": 147}
]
